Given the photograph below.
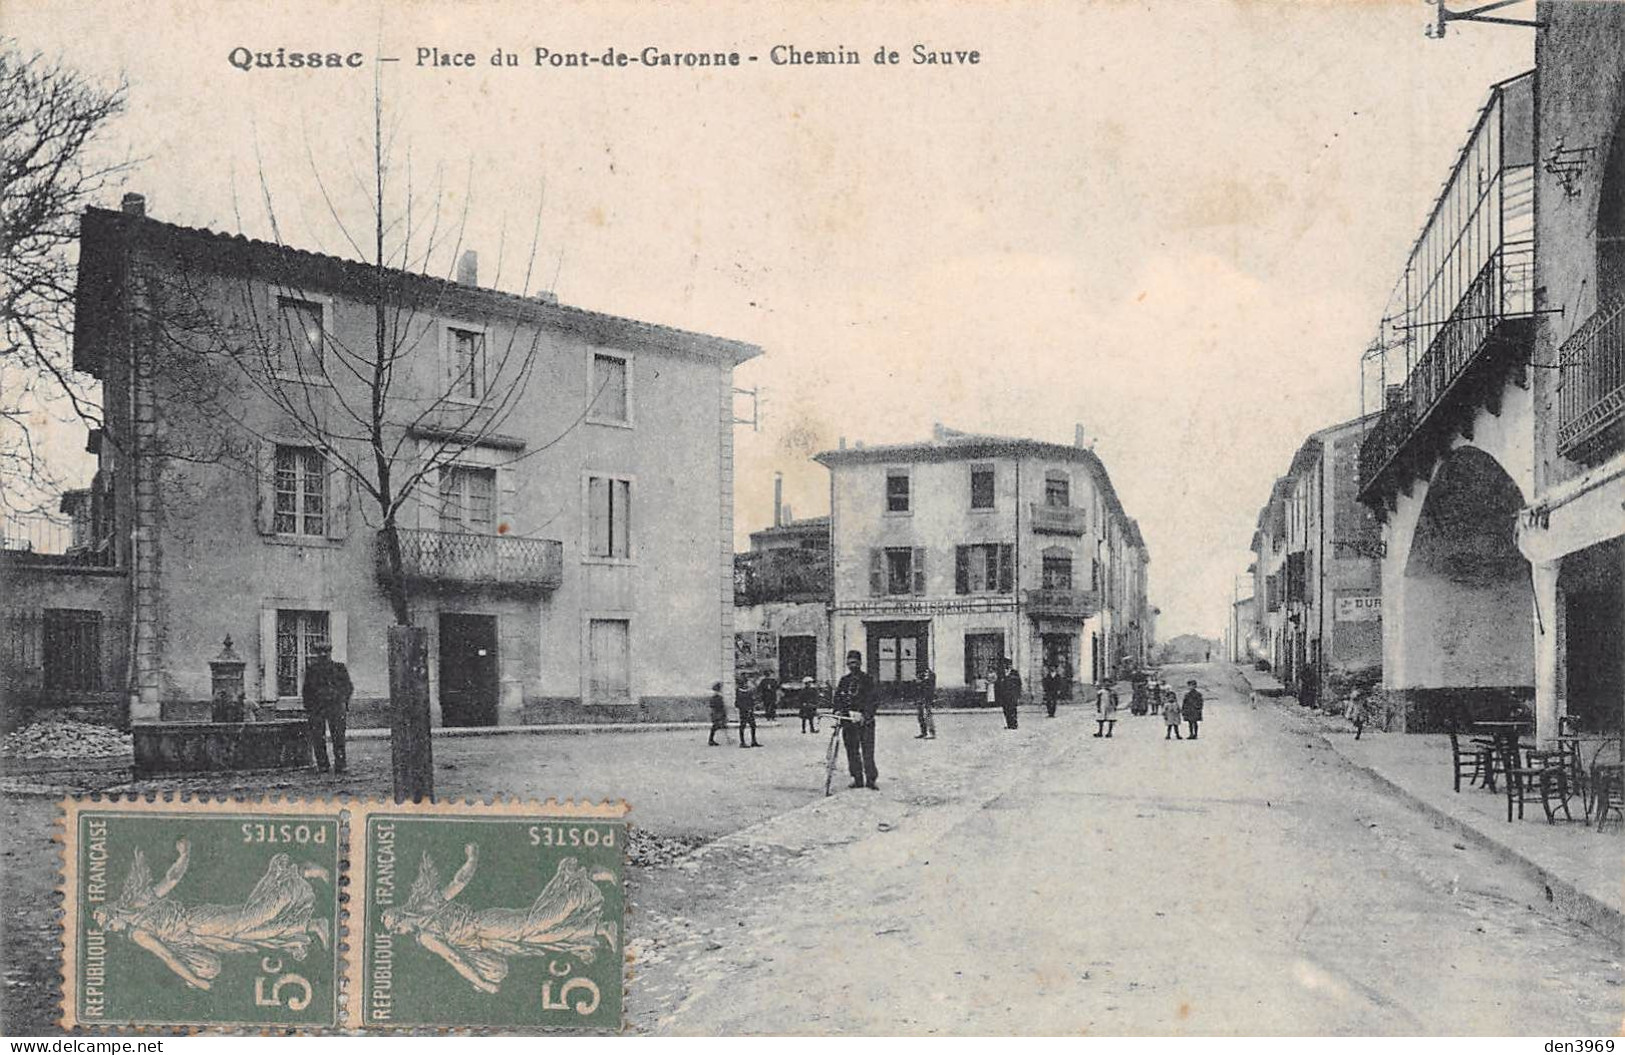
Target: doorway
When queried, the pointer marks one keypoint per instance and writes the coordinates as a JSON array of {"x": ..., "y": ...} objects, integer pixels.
[
  {"x": 798, "y": 658},
  {"x": 897, "y": 652},
  {"x": 1594, "y": 653},
  {"x": 468, "y": 669}
]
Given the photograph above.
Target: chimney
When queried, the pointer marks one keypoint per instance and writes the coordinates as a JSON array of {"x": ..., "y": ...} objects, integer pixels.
[
  {"x": 789, "y": 514},
  {"x": 1077, "y": 436},
  {"x": 134, "y": 204},
  {"x": 842, "y": 444},
  {"x": 468, "y": 268},
  {"x": 778, "y": 499}
]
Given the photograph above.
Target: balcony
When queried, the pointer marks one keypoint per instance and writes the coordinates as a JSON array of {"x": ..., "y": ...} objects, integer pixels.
[
  {"x": 1061, "y": 604},
  {"x": 1057, "y": 520},
  {"x": 495, "y": 562},
  {"x": 1591, "y": 404},
  {"x": 1459, "y": 323},
  {"x": 1485, "y": 338}
]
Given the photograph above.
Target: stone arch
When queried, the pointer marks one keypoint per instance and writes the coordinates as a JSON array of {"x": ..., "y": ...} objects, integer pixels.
[{"x": 1468, "y": 612}]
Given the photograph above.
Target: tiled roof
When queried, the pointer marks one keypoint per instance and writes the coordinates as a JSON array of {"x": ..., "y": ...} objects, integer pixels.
[{"x": 104, "y": 234}]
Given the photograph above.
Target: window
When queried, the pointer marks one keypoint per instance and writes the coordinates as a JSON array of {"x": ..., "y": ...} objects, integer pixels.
[
  {"x": 981, "y": 487},
  {"x": 985, "y": 567},
  {"x": 897, "y": 491},
  {"x": 611, "y": 401},
  {"x": 301, "y": 492},
  {"x": 1057, "y": 570},
  {"x": 72, "y": 653},
  {"x": 983, "y": 651},
  {"x": 609, "y": 661},
  {"x": 303, "y": 326},
  {"x": 297, "y": 634},
  {"x": 900, "y": 570},
  {"x": 465, "y": 363},
  {"x": 896, "y": 659},
  {"x": 609, "y": 509},
  {"x": 1094, "y": 574},
  {"x": 467, "y": 499},
  {"x": 1057, "y": 490}
]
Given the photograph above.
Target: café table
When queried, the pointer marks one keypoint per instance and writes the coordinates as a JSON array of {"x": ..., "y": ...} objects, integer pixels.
[{"x": 1505, "y": 734}]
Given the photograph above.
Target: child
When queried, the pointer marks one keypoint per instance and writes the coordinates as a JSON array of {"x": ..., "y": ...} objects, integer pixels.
[
  {"x": 1171, "y": 717},
  {"x": 807, "y": 705},
  {"x": 1191, "y": 707},
  {"x": 719, "y": 713},
  {"x": 1105, "y": 711}
]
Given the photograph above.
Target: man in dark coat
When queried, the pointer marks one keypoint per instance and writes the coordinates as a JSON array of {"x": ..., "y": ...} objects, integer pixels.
[
  {"x": 326, "y": 694},
  {"x": 1007, "y": 691},
  {"x": 767, "y": 691},
  {"x": 1191, "y": 707},
  {"x": 855, "y": 697},
  {"x": 926, "y": 703},
  {"x": 745, "y": 701}
]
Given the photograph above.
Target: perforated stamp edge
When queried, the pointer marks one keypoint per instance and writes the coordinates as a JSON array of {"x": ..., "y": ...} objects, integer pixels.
[
  {"x": 550, "y": 809},
  {"x": 65, "y": 834}
]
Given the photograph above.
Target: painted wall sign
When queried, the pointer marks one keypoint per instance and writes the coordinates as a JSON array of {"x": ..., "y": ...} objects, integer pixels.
[{"x": 1359, "y": 609}]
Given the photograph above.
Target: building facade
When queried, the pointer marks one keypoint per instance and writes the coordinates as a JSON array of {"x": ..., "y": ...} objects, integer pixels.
[
  {"x": 1499, "y": 464},
  {"x": 574, "y": 565},
  {"x": 782, "y": 595},
  {"x": 1323, "y": 585},
  {"x": 966, "y": 549},
  {"x": 1572, "y": 531}
]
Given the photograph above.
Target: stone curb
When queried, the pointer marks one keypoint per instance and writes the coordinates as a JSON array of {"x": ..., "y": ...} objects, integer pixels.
[{"x": 1564, "y": 896}]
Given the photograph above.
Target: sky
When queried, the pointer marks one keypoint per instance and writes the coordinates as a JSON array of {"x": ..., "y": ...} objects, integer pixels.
[{"x": 1174, "y": 223}]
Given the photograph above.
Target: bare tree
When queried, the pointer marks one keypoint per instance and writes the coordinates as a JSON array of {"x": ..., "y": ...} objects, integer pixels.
[
  {"x": 388, "y": 410},
  {"x": 51, "y": 118}
]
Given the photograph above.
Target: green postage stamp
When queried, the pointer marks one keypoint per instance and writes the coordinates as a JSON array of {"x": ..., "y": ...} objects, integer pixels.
[
  {"x": 504, "y": 916},
  {"x": 323, "y": 916},
  {"x": 201, "y": 914}
]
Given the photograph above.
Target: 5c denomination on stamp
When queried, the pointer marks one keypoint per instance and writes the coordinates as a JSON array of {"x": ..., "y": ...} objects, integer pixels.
[
  {"x": 201, "y": 914},
  {"x": 504, "y": 916}
]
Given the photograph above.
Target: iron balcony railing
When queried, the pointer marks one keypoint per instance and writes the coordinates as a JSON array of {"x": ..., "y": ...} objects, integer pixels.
[
  {"x": 1501, "y": 291},
  {"x": 1062, "y": 604},
  {"x": 464, "y": 559},
  {"x": 1057, "y": 520},
  {"x": 1591, "y": 401}
]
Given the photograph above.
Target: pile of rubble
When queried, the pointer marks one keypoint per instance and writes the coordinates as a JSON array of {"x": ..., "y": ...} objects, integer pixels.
[
  {"x": 645, "y": 849},
  {"x": 65, "y": 738}
]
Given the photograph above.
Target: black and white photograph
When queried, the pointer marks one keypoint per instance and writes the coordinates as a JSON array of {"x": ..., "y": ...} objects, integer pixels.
[{"x": 1049, "y": 519}]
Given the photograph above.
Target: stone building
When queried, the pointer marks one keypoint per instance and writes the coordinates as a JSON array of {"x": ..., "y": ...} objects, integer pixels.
[
  {"x": 965, "y": 549},
  {"x": 1322, "y": 588},
  {"x": 781, "y": 598},
  {"x": 574, "y": 565},
  {"x": 1571, "y": 531}
]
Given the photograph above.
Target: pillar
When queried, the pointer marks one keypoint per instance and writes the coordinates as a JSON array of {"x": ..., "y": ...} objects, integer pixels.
[{"x": 1548, "y": 616}]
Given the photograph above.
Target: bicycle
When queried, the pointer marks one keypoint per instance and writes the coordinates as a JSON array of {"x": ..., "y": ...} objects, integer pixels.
[{"x": 837, "y": 721}]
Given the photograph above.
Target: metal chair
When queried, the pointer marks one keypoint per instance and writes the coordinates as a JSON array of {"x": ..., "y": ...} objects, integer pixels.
[{"x": 1469, "y": 761}]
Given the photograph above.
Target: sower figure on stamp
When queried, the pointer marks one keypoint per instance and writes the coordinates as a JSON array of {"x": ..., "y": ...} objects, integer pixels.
[
  {"x": 326, "y": 694},
  {"x": 855, "y": 695},
  {"x": 927, "y": 701},
  {"x": 1191, "y": 706},
  {"x": 1007, "y": 691}
]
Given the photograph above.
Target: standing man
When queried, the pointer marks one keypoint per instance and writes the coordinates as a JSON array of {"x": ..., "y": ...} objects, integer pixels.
[
  {"x": 767, "y": 690},
  {"x": 928, "y": 700},
  {"x": 746, "y": 702},
  {"x": 855, "y": 701},
  {"x": 1007, "y": 691},
  {"x": 1191, "y": 707},
  {"x": 326, "y": 694}
]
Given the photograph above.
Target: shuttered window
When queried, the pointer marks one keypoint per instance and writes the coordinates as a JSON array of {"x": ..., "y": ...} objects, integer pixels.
[
  {"x": 298, "y": 632},
  {"x": 609, "y": 511},
  {"x": 609, "y": 661},
  {"x": 984, "y": 567}
]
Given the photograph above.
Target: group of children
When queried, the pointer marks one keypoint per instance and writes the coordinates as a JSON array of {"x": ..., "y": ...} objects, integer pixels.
[
  {"x": 767, "y": 691},
  {"x": 1162, "y": 698}
]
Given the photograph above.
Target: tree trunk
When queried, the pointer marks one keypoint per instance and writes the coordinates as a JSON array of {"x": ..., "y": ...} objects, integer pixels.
[{"x": 410, "y": 745}]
